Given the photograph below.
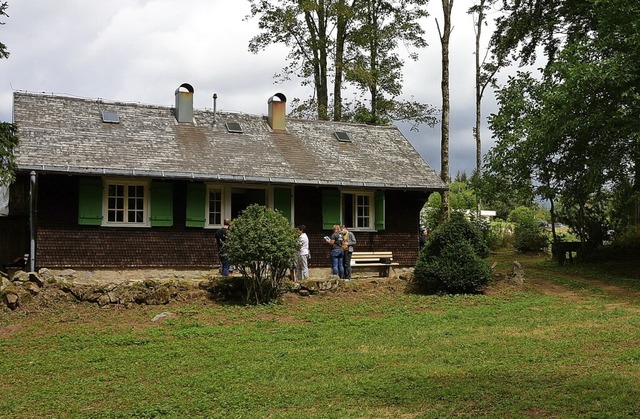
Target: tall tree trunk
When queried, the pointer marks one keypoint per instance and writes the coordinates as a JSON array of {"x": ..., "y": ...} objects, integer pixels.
[
  {"x": 339, "y": 69},
  {"x": 476, "y": 131},
  {"x": 445, "y": 36},
  {"x": 319, "y": 39},
  {"x": 344, "y": 17}
]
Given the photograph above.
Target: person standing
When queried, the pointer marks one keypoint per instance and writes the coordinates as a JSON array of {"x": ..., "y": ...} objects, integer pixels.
[
  {"x": 302, "y": 263},
  {"x": 348, "y": 241},
  {"x": 221, "y": 236},
  {"x": 423, "y": 237},
  {"x": 335, "y": 241}
]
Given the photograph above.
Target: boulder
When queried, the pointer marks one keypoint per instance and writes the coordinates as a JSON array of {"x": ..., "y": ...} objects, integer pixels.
[
  {"x": 20, "y": 276},
  {"x": 11, "y": 299},
  {"x": 35, "y": 278},
  {"x": 33, "y": 288}
]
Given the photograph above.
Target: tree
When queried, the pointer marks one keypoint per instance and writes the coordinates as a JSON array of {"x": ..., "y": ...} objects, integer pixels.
[
  {"x": 8, "y": 142},
  {"x": 573, "y": 130},
  {"x": 304, "y": 27},
  {"x": 356, "y": 41},
  {"x": 8, "y": 132},
  {"x": 3, "y": 12},
  {"x": 485, "y": 72},
  {"x": 261, "y": 244},
  {"x": 445, "y": 36},
  {"x": 376, "y": 67}
]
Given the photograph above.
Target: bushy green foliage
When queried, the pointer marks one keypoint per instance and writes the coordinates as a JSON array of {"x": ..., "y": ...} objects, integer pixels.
[
  {"x": 521, "y": 214},
  {"x": 625, "y": 244},
  {"x": 500, "y": 235},
  {"x": 261, "y": 244},
  {"x": 529, "y": 237},
  {"x": 452, "y": 261},
  {"x": 8, "y": 142}
]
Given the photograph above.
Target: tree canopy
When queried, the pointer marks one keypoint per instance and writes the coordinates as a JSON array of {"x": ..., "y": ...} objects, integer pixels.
[
  {"x": 8, "y": 132},
  {"x": 346, "y": 42},
  {"x": 573, "y": 131},
  {"x": 3, "y": 12}
]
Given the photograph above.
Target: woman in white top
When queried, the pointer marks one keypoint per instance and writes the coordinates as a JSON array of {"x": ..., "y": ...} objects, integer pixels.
[{"x": 302, "y": 263}]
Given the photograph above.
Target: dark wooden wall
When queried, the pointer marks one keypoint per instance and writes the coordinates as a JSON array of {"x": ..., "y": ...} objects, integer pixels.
[{"x": 61, "y": 242}]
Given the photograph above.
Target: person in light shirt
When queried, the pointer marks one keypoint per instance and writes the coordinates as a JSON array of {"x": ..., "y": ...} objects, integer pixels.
[{"x": 302, "y": 262}]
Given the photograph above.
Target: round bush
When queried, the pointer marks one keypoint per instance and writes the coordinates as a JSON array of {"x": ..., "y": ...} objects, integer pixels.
[
  {"x": 261, "y": 244},
  {"x": 452, "y": 261},
  {"x": 457, "y": 229},
  {"x": 529, "y": 237},
  {"x": 456, "y": 270}
]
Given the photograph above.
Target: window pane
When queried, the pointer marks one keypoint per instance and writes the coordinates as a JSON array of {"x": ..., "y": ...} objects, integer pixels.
[
  {"x": 115, "y": 203},
  {"x": 363, "y": 211},
  {"x": 215, "y": 206},
  {"x": 348, "y": 211},
  {"x": 135, "y": 204}
]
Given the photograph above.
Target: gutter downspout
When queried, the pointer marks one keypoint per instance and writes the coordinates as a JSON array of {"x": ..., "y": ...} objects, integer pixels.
[{"x": 32, "y": 221}]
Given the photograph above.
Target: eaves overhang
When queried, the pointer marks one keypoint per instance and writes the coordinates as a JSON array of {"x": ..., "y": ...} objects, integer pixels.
[{"x": 213, "y": 177}]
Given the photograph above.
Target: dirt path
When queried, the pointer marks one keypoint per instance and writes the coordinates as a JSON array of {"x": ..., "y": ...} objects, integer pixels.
[{"x": 549, "y": 287}]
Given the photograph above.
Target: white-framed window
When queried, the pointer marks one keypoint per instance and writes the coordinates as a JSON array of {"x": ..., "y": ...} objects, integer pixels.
[
  {"x": 215, "y": 206},
  {"x": 126, "y": 203},
  {"x": 358, "y": 210}
]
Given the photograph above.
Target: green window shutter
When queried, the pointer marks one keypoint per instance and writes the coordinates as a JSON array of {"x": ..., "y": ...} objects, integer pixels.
[
  {"x": 161, "y": 204},
  {"x": 282, "y": 201},
  {"x": 330, "y": 208},
  {"x": 380, "y": 209},
  {"x": 196, "y": 200},
  {"x": 90, "y": 201}
]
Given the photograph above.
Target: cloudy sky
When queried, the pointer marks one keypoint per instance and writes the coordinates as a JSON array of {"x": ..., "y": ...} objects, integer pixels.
[{"x": 142, "y": 50}]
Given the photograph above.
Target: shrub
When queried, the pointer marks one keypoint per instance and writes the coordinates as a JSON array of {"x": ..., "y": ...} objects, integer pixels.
[
  {"x": 521, "y": 214},
  {"x": 500, "y": 235},
  {"x": 529, "y": 237},
  {"x": 452, "y": 261},
  {"x": 261, "y": 244}
]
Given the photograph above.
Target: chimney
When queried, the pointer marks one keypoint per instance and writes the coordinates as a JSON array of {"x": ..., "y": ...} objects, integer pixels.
[
  {"x": 277, "y": 111},
  {"x": 184, "y": 103}
]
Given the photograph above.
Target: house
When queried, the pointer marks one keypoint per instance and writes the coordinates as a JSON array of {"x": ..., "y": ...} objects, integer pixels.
[{"x": 126, "y": 185}]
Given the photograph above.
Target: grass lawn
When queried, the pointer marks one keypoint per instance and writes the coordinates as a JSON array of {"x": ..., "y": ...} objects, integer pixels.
[{"x": 564, "y": 344}]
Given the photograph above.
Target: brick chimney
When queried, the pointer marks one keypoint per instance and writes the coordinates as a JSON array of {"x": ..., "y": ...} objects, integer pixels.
[
  {"x": 277, "y": 111},
  {"x": 184, "y": 103}
]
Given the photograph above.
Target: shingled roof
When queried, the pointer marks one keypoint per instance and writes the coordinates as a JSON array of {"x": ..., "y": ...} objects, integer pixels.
[{"x": 68, "y": 135}]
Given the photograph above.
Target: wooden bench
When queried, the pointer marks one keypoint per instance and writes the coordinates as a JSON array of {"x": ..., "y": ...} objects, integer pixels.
[
  {"x": 560, "y": 251},
  {"x": 382, "y": 260}
]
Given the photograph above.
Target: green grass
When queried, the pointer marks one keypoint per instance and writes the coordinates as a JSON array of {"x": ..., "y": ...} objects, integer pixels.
[{"x": 514, "y": 352}]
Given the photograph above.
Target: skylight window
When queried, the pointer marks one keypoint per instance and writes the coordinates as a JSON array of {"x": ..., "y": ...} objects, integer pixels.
[
  {"x": 234, "y": 127},
  {"x": 343, "y": 136},
  {"x": 110, "y": 117}
]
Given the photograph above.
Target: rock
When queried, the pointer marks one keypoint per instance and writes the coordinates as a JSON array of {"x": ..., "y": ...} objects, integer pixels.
[
  {"x": 104, "y": 300},
  {"x": 517, "y": 275},
  {"x": 162, "y": 316},
  {"x": 304, "y": 293},
  {"x": 113, "y": 297},
  {"x": 35, "y": 278},
  {"x": 33, "y": 288},
  {"x": 11, "y": 300},
  {"x": 47, "y": 276},
  {"x": 20, "y": 276}
]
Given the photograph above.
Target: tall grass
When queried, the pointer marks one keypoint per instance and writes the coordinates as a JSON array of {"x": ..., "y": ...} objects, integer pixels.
[{"x": 520, "y": 352}]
